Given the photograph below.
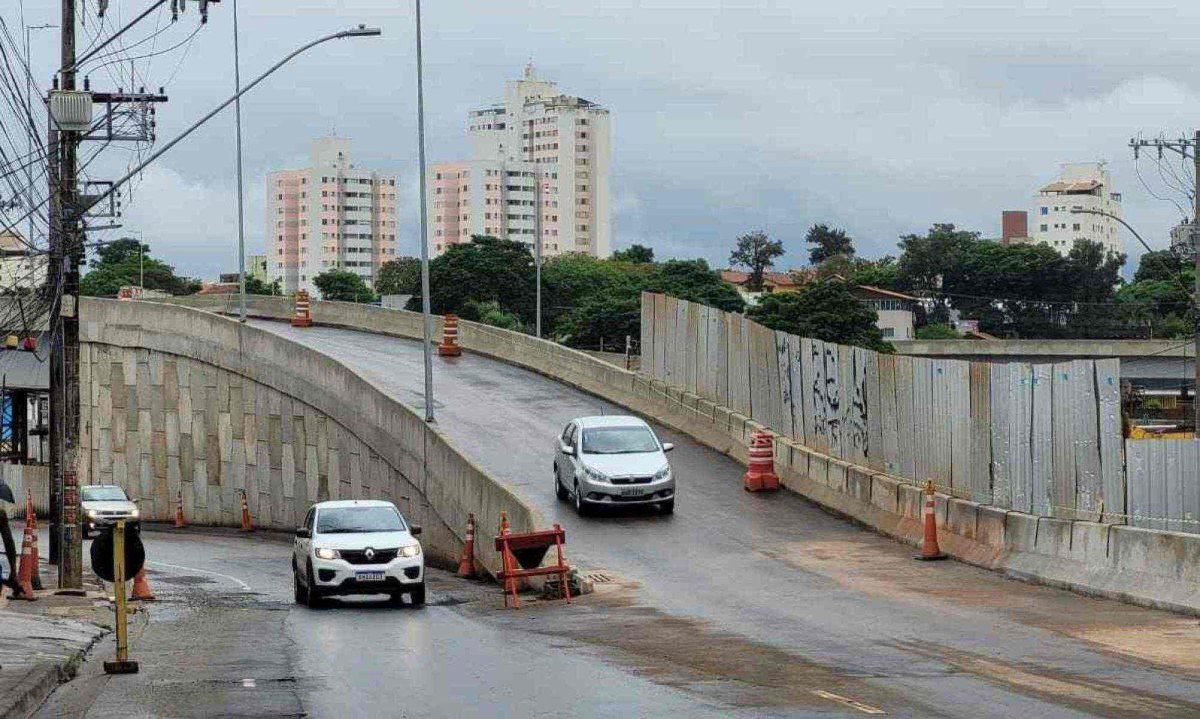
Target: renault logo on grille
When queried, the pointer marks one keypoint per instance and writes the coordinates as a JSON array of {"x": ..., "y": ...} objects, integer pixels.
[{"x": 369, "y": 553}]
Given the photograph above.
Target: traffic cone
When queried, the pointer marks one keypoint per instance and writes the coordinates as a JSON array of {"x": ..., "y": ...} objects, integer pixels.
[
  {"x": 466, "y": 563},
  {"x": 760, "y": 476},
  {"x": 141, "y": 588},
  {"x": 246, "y": 525},
  {"x": 930, "y": 550},
  {"x": 449, "y": 346},
  {"x": 179, "y": 523},
  {"x": 25, "y": 572},
  {"x": 31, "y": 522}
]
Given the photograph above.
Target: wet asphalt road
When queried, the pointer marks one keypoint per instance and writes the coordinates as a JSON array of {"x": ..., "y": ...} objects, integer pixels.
[{"x": 787, "y": 596}]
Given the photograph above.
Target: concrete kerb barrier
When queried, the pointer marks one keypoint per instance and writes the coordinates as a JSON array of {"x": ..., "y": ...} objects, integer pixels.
[
  {"x": 451, "y": 485},
  {"x": 1068, "y": 555}
]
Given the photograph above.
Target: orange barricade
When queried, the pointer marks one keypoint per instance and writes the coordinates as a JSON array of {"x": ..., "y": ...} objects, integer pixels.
[
  {"x": 449, "y": 346},
  {"x": 303, "y": 315},
  {"x": 761, "y": 474},
  {"x": 523, "y": 554}
]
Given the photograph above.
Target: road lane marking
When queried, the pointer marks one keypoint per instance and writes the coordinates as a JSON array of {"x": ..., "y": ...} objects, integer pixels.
[
  {"x": 249, "y": 683},
  {"x": 864, "y": 708},
  {"x": 235, "y": 580}
]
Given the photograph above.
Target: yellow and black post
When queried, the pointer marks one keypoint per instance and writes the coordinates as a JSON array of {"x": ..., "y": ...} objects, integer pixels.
[{"x": 122, "y": 665}]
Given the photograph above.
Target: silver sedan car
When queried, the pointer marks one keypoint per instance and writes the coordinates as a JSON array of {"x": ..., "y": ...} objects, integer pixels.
[{"x": 610, "y": 461}]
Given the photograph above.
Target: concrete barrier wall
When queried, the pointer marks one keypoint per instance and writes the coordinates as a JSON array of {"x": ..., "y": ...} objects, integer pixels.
[
  {"x": 1143, "y": 566},
  {"x": 177, "y": 399}
]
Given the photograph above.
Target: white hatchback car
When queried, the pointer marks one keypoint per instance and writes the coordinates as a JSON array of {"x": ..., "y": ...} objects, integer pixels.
[
  {"x": 103, "y": 504},
  {"x": 610, "y": 461},
  {"x": 357, "y": 547}
]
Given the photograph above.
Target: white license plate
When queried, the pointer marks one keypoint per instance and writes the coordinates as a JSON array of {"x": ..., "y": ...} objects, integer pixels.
[
  {"x": 369, "y": 576},
  {"x": 632, "y": 491}
]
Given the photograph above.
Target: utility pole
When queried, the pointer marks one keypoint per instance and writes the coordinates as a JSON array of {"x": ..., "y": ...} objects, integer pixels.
[
  {"x": 1187, "y": 148},
  {"x": 537, "y": 230}
]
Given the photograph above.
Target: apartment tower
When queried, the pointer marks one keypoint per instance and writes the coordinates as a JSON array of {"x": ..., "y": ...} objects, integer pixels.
[
  {"x": 540, "y": 152},
  {"x": 330, "y": 215}
]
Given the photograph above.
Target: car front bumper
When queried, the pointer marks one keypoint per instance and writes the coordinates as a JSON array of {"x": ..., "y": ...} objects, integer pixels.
[
  {"x": 606, "y": 493},
  {"x": 337, "y": 576}
]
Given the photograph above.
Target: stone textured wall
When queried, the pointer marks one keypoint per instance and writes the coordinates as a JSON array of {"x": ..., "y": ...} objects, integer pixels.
[{"x": 157, "y": 424}]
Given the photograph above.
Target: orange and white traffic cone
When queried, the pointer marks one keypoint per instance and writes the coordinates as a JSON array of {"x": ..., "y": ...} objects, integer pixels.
[
  {"x": 25, "y": 571},
  {"x": 141, "y": 588},
  {"x": 31, "y": 521},
  {"x": 179, "y": 523},
  {"x": 466, "y": 563},
  {"x": 246, "y": 525},
  {"x": 930, "y": 551},
  {"x": 449, "y": 346},
  {"x": 760, "y": 476}
]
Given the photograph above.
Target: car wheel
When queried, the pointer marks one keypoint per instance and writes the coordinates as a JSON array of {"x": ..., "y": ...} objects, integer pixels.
[
  {"x": 312, "y": 595},
  {"x": 301, "y": 595},
  {"x": 417, "y": 596},
  {"x": 581, "y": 507},
  {"x": 396, "y": 599},
  {"x": 667, "y": 507},
  {"x": 559, "y": 490}
]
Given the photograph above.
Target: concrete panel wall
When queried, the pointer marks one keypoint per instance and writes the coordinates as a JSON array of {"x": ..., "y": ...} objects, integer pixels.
[{"x": 177, "y": 399}]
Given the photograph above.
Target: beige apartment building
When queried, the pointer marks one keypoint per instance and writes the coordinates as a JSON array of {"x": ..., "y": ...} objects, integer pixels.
[
  {"x": 331, "y": 215},
  {"x": 539, "y": 153}
]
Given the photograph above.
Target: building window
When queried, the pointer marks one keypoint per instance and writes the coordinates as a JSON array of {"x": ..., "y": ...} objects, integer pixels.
[
  {"x": 1043, "y": 226},
  {"x": 1045, "y": 210},
  {"x": 1076, "y": 227},
  {"x": 888, "y": 332}
]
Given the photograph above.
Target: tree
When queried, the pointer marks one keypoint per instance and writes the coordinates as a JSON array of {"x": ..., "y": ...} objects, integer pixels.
[
  {"x": 491, "y": 313},
  {"x": 883, "y": 273},
  {"x": 484, "y": 269},
  {"x": 124, "y": 262},
  {"x": 825, "y": 310},
  {"x": 255, "y": 286},
  {"x": 343, "y": 286},
  {"x": 939, "y": 331},
  {"x": 1158, "y": 265},
  {"x": 638, "y": 254},
  {"x": 692, "y": 280},
  {"x": 401, "y": 276},
  {"x": 827, "y": 243},
  {"x": 757, "y": 252}
]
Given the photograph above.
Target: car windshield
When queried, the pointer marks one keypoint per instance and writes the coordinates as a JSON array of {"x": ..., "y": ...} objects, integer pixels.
[
  {"x": 349, "y": 520},
  {"x": 618, "y": 440},
  {"x": 103, "y": 494}
]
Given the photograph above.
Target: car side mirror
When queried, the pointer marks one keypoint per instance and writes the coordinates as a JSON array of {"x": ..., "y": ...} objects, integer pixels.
[
  {"x": 566, "y": 448},
  {"x": 303, "y": 532},
  {"x": 667, "y": 446},
  {"x": 414, "y": 529}
]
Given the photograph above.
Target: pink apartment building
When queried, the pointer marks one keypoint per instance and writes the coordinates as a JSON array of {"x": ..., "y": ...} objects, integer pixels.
[
  {"x": 330, "y": 215},
  {"x": 540, "y": 152}
]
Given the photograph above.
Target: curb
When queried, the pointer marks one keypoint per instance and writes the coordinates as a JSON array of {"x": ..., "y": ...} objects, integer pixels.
[{"x": 32, "y": 690}]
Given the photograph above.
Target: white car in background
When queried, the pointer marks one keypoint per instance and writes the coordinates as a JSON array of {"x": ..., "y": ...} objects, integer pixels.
[
  {"x": 357, "y": 547},
  {"x": 103, "y": 504},
  {"x": 613, "y": 461}
]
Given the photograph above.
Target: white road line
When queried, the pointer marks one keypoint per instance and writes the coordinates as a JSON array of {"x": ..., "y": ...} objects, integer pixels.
[
  {"x": 864, "y": 708},
  {"x": 249, "y": 683},
  {"x": 235, "y": 580}
]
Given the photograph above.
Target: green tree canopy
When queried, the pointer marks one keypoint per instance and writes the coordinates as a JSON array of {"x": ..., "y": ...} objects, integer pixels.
[
  {"x": 822, "y": 309},
  {"x": 938, "y": 331},
  {"x": 401, "y": 276},
  {"x": 483, "y": 270},
  {"x": 756, "y": 252},
  {"x": 1158, "y": 265},
  {"x": 694, "y": 281},
  {"x": 828, "y": 243},
  {"x": 639, "y": 254},
  {"x": 117, "y": 264},
  {"x": 343, "y": 286}
]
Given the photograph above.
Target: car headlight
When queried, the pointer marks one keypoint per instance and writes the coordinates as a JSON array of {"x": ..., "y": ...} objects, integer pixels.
[
  {"x": 324, "y": 553},
  {"x": 411, "y": 550},
  {"x": 663, "y": 473},
  {"x": 134, "y": 513},
  {"x": 595, "y": 474},
  {"x": 91, "y": 514}
]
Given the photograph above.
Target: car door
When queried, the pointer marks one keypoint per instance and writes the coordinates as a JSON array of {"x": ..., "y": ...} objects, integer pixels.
[
  {"x": 571, "y": 459},
  {"x": 302, "y": 544},
  {"x": 562, "y": 461}
]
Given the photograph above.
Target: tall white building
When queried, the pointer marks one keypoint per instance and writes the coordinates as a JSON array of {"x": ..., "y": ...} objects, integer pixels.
[
  {"x": 1082, "y": 185},
  {"x": 538, "y": 152},
  {"x": 331, "y": 215}
]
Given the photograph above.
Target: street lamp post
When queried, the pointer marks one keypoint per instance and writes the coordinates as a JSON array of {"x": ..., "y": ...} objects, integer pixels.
[
  {"x": 427, "y": 318},
  {"x": 237, "y": 113}
]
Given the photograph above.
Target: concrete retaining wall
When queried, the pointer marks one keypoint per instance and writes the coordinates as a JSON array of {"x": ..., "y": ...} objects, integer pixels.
[
  {"x": 179, "y": 399},
  {"x": 1143, "y": 566}
]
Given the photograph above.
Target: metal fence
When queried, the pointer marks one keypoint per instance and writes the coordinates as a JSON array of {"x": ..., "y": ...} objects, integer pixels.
[
  {"x": 1164, "y": 483},
  {"x": 1038, "y": 438}
]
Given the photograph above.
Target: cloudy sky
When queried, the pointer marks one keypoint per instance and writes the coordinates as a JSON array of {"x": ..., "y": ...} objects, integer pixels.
[{"x": 879, "y": 116}]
